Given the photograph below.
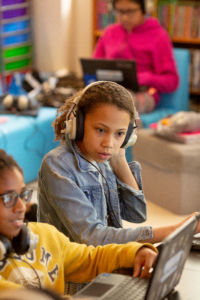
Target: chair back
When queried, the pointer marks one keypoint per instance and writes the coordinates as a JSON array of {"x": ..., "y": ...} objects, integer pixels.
[
  {"x": 179, "y": 100},
  {"x": 171, "y": 103}
]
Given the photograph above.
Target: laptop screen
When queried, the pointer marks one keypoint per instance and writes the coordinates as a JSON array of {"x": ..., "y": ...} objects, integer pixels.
[
  {"x": 169, "y": 266},
  {"x": 117, "y": 70},
  {"x": 173, "y": 253}
]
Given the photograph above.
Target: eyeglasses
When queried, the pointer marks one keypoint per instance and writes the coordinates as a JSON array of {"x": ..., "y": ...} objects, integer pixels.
[
  {"x": 127, "y": 12},
  {"x": 10, "y": 198}
]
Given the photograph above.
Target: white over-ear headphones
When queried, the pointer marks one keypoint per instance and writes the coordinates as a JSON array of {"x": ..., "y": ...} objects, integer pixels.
[
  {"x": 20, "y": 103},
  {"x": 74, "y": 127},
  {"x": 132, "y": 139},
  {"x": 71, "y": 123}
]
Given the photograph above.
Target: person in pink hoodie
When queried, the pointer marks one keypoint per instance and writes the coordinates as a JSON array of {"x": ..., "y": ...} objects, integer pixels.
[{"x": 141, "y": 38}]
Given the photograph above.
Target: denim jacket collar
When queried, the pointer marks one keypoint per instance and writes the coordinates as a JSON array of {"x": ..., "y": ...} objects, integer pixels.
[{"x": 82, "y": 163}]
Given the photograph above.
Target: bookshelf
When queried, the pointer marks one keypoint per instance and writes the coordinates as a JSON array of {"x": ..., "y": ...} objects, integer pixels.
[
  {"x": 181, "y": 18},
  {"x": 102, "y": 17},
  {"x": 15, "y": 38}
]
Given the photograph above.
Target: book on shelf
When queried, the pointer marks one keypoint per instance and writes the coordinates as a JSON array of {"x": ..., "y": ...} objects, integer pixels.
[
  {"x": 187, "y": 21},
  {"x": 195, "y": 69},
  {"x": 195, "y": 23},
  {"x": 104, "y": 14},
  {"x": 164, "y": 14},
  {"x": 180, "y": 18}
]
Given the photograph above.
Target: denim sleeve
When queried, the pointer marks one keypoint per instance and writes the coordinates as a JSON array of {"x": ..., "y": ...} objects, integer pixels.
[
  {"x": 63, "y": 204},
  {"x": 132, "y": 201}
]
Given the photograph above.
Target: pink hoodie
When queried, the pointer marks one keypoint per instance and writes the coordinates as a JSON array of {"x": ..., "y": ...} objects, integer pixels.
[{"x": 150, "y": 46}]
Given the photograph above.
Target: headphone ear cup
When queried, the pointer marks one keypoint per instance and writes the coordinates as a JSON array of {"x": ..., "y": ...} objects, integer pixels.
[
  {"x": 79, "y": 125},
  {"x": 22, "y": 102},
  {"x": 130, "y": 138},
  {"x": 8, "y": 101},
  {"x": 5, "y": 247},
  {"x": 70, "y": 130},
  {"x": 21, "y": 242}
]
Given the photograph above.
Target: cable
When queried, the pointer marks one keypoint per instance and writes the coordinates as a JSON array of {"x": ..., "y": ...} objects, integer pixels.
[
  {"x": 109, "y": 205},
  {"x": 21, "y": 259},
  {"x": 107, "y": 199}
]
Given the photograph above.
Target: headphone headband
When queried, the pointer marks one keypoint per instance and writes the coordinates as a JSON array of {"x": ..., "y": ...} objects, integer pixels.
[{"x": 74, "y": 127}]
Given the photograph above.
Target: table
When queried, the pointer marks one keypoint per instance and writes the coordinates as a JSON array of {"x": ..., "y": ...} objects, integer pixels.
[
  {"x": 170, "y": 172},
  {"x": 28, "y": 139}
]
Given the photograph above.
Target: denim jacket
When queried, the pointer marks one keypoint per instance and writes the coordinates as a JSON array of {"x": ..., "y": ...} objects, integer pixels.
[{"x": 72, "y": 197}]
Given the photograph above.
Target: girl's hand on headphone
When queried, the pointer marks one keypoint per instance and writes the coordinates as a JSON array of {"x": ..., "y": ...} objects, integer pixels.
[{"x": 122, "y": 170}]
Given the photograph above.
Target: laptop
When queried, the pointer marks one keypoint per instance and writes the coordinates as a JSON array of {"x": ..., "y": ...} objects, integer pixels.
[
  {"x": 173, "y": 253},
  {"x": 118, "y": 70}
]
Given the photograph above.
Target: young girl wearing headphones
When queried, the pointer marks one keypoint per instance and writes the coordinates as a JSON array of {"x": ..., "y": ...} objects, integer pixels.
[
  {"x": 141, "y": 38},
  {"x": 86, "y": 185},
  {"x": 38, "y": 255}
]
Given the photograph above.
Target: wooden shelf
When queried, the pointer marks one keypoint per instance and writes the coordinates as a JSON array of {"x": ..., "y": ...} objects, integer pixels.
[
  {"x": 98, "y": 33},
  {"x": 186, "y": 41},
  {"x": 192, "y": 92},
  {"x": 190, "y": 43}
]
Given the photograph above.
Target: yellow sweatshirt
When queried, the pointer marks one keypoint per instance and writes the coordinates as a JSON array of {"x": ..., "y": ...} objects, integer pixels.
[{"x": 57, "y": 260}]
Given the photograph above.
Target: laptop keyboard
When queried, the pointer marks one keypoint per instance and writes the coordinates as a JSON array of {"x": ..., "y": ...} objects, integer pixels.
[{"x": 128, "y": 290}]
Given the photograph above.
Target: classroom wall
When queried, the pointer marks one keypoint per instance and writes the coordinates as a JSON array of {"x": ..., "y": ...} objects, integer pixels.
[
  {"x": 81, "y": 31},
  {"x": 62, "y": 32}
]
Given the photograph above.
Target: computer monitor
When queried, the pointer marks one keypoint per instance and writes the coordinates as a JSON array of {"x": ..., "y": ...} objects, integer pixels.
[{"x": 118, "y": 70}]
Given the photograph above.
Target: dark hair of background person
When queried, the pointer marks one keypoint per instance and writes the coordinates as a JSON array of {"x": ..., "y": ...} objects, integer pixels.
[
  {"x": 7, "y": 162},
  {"x": 141, "y": 3}
]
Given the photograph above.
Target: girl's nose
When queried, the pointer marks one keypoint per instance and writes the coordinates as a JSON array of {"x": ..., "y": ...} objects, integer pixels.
[
  {"x": 20, "y": 205},
  {"x": 108, "y": 141}
]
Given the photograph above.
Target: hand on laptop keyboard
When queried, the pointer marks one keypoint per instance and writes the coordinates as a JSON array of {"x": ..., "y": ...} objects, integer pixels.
[
  {"x": 144, "y": 261},
  {"x": 143, "y": 266}
]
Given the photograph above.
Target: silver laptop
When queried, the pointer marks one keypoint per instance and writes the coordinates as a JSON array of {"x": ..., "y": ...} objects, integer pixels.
[
  {"x": 173, "y": 252},
  {"x": 118, "y": 70}
]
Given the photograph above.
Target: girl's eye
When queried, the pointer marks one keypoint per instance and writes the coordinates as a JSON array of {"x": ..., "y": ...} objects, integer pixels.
[
  {"x": 100, "y": 130},
  {"x": 121, "y": 133}
]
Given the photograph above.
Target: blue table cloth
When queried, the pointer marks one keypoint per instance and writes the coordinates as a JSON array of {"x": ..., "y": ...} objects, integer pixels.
[{"x": 28, "y": 139}]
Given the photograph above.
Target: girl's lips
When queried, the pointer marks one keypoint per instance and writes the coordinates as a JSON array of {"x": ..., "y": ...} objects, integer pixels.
[
  {"x": 18, "y": 223},
  {"x": 104, "y": 156}
]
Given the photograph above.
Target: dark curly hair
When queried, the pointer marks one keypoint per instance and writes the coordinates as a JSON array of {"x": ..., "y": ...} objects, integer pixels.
[
  {"x": 8, "y": 162},
  {"x": 141, "y": 3},
  {"x": 106, "y": 92}
]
